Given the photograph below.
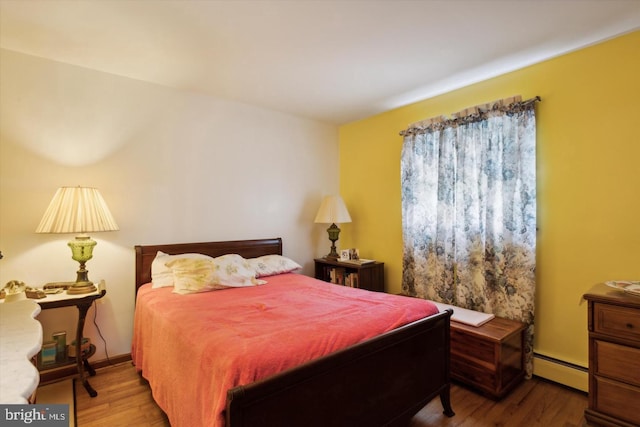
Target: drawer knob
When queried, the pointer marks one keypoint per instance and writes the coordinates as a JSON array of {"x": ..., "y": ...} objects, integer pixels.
[{"x": 630, "y": 325}]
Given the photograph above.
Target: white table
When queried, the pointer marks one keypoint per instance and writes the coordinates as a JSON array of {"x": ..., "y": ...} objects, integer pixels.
[{"x": 20, "y": 340}]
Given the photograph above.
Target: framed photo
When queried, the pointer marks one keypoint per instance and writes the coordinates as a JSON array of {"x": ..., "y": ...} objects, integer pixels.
[
  {"x": 354, "y": 254},
  {"x": 344, "y": 254}
]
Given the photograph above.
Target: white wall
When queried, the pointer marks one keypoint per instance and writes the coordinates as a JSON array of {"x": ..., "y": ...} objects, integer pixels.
[{"x": 173, "y": 167}]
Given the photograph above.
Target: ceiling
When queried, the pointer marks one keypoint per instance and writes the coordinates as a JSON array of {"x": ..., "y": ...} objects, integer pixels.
[{"x": 334, "y": 61}]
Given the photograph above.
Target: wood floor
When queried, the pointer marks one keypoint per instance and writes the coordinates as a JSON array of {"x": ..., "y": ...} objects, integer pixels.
[{"x": 125, "y": 400}]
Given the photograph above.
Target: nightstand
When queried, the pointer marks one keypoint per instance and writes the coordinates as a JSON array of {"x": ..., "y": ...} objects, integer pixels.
[
  {"x": 83, "y": 302},
  {"x": 489, "y": 357},
  {"x": 364, "y": 276}
]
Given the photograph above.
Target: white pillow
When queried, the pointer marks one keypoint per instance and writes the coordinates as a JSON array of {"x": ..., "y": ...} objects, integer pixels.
[
  {"x": 161, "y": 275},
  {"x": 269, "y": 265},
  {"x": 202, "y": 275}
]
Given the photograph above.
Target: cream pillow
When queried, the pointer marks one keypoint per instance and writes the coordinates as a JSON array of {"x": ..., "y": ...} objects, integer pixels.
[
  {"x": 202, "y": 275},
  {"x": 269, "y": 265},
  {"x": 161, "y": 275}
]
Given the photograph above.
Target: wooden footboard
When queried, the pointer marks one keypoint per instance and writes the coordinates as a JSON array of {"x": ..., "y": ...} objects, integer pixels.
[{"x": 383, "y": 381}]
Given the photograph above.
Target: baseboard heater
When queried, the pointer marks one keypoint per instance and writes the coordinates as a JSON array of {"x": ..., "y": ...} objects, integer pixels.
[
  {"x": 561, "y": 372},
  {"x": 561, "y": 362}
]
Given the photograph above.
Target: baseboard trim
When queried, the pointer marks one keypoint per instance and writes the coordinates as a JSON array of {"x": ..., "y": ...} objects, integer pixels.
[
  {"x": 103, "y": 363},
  {"x": 552, "y": 369},
  {"x": 57, "y": 374},
  {"x": 560, "y": 371}
]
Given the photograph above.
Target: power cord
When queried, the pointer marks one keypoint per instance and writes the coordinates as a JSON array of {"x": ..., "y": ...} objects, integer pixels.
[{"x": 95, "y": 315}]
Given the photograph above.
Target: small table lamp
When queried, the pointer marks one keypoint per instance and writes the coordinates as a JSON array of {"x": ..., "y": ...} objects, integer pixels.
[
  {"x": 78, "y": 210},
  {"x": 332, "y": 211}
]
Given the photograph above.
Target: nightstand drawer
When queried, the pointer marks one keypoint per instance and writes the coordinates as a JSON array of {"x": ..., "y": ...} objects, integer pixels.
[
  {"x": 472, "y": 348},
  {"x": 616, "y": 321},
  {"x": 467, "y": 372},
  {"x": 618, "y": 400},
  {"x": 618, "y": 362}
]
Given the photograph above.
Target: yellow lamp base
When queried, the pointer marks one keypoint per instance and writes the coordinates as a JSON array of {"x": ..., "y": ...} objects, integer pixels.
[{"x": 82, "y": 251}]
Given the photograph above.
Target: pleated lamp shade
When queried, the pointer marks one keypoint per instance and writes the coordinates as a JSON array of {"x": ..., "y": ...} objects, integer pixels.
[
  {"x": 79, "y": 210},
  {"x": 332, "y": 210}
]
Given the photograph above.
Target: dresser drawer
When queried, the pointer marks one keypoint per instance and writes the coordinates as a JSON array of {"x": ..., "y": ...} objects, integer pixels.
[
  {"x": 614, "y": 357},
  {"x": 617, "y": 321},
  {"x": 618, "y": 362},
  {"x": 617, "y": 399}
]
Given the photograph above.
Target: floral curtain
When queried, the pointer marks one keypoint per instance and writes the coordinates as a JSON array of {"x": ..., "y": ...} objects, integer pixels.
[{"x": 469, "y": 212}]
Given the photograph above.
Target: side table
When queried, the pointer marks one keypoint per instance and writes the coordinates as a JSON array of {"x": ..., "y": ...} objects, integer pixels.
[{"x": 83, "y": 302}]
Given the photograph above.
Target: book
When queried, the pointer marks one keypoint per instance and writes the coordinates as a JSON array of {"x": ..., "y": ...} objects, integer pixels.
[
  {"x": 353, "y": 280},
  {"x": 337, "y": 276},
  {"x": 466, "y": 316},
  {"x": 360, "y": 261}
]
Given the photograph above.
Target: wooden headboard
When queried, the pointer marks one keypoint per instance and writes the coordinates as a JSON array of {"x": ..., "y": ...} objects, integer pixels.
[{"x": 246, "y": 248}]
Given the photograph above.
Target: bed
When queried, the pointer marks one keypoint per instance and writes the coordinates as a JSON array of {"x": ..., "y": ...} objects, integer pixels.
[{"x": 378, "y": 381}]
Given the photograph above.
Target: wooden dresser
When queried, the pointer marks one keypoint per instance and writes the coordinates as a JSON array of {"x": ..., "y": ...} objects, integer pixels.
[
  {"x": 489, "y": 357},
  {"x": 614, "y": 357}
]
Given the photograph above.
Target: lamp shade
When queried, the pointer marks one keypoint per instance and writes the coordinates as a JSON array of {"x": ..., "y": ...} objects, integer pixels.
[
  {"x": 332, "y": 211},
  {"x": 77, "y": 210}
]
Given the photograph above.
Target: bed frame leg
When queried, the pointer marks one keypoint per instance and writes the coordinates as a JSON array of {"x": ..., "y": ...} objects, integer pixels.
[{"x": 445, "y": 399}]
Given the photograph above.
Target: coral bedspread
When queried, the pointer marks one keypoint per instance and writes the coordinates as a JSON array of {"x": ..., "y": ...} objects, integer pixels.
[{"x": 193, "y": 348}]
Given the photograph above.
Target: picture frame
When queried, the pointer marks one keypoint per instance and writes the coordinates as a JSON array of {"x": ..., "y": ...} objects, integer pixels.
[{"x": 351, "y": 254}]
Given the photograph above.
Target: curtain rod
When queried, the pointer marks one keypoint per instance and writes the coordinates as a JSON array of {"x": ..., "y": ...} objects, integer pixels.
[{"x": 513, "y": 103}]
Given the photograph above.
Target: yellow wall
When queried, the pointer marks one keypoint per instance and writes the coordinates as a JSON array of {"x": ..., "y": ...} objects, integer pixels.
[{"x": 588, "y": 137}]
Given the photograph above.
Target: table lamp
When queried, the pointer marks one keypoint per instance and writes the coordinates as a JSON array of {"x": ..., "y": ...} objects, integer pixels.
[
  {"x": 78, "y": 210},
  {"x": 332, "y": 211}
]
